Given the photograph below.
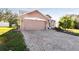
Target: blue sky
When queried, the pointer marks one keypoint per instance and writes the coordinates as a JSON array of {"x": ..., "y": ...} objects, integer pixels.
[{"x": 56, "y": 13}]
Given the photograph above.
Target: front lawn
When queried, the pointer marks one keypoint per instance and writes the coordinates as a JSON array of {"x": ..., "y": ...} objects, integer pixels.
[
  {"x": 74, "y": 31},
  {"x": 69, "y": 31},
  {"x": 4, "y": 30},
  {"x": 12, "y": 40}
]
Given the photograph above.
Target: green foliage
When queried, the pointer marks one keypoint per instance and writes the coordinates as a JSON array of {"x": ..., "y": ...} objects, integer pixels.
[
  {"x": 48, "y": 16},
  {"x": 77, "y": 25},
  {"x": 13, "y": 40},
  {"x": 7, "y": 16},
  {"x": 67, "y": 22}
]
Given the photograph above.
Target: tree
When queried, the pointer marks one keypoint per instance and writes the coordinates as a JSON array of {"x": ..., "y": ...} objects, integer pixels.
[
  {"x": 66, "y": 22},
  {"x": 48, "y": 16},
  {"x": 8, "y": 16},
  {"x": 1, "y": 14},
  {"x": 76, "y": 24}
]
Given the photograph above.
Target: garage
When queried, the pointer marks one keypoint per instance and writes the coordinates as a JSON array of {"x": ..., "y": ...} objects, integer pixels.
[
  {"x": 33, "y": 25},
  {"x": 34, "y": 21}
]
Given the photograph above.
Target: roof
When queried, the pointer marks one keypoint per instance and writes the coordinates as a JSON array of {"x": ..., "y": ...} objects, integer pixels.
[{"x": 36, "y": 11}]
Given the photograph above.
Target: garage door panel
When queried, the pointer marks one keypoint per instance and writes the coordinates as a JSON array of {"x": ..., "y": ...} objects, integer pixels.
[{"x": 34, "y": 25}]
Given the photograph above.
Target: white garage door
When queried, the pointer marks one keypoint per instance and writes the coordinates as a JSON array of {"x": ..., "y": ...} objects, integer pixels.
[{"x": 34, "y": 25}]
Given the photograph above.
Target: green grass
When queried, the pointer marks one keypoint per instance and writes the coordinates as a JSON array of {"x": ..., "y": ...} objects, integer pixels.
[
  {"x": 74, "y": 31},
  {"x": 12, "y": 40},
  {"x": 3, "y": 30}
]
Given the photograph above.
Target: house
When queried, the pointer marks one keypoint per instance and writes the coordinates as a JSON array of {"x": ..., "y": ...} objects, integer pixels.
[
  {"x": 34, "y": 20},
  {"x": 51, "y": 22}
]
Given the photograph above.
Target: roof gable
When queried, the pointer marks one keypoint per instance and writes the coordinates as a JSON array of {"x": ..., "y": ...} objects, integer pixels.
[{"x": 35, "y": 13}]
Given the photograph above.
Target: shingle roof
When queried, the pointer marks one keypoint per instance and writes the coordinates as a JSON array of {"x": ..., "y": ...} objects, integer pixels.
[{"x": 35, "y": 11}]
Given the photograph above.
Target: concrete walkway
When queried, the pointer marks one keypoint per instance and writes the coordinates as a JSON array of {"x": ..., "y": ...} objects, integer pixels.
[{"x": 50, "y": 41}]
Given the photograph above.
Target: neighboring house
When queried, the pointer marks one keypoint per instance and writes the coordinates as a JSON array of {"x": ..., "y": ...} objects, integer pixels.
[
  {"x": 34, "y": 20},
  {"x": 4, "y": 24},
  {"x": 53, "y": 23}
]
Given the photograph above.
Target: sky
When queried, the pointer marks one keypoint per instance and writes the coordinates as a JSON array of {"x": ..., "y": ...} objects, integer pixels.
[{"x": 56, "y": 13}]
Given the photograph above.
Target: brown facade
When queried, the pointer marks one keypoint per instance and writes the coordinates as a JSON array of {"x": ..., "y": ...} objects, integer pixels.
[
  {"x": 33, "y": 25},
  {"x": 34, "y": 21}
]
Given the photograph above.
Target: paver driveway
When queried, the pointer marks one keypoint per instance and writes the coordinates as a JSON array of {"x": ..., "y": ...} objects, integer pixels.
[{"x": 50, "y": 40}]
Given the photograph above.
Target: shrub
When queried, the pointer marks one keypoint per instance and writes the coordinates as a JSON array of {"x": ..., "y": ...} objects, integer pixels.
[{"x": 67, "y": 22}]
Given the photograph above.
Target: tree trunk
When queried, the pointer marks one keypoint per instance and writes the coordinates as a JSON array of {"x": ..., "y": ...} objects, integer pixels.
[{"x": 10, "y": 25}]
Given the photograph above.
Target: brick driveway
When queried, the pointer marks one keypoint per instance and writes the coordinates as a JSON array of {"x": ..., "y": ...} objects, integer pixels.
[{"x": 50, "y": 40}]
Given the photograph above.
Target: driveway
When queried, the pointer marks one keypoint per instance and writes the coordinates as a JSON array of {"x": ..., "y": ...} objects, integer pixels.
[{"x": 50, "y": 40}]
